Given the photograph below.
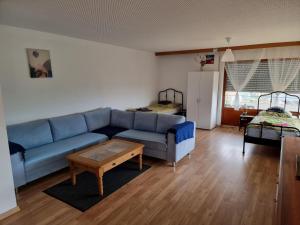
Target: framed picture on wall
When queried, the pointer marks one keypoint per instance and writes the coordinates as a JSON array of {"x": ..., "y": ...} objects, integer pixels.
[
  {"x": 210, "y": 59},
  {"x": 39, "y": 63}
]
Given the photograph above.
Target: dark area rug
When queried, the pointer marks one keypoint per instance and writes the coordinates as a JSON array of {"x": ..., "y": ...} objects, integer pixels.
[{"x": 85, "y": 193}]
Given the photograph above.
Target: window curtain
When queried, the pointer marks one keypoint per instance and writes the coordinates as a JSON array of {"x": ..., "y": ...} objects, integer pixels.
[
  {"x": 240, "y": 79},
  {"x": 283, "y": 72}
]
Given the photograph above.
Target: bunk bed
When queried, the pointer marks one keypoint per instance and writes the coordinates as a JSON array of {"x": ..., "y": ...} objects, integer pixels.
[{"x": 271, "y": 124}]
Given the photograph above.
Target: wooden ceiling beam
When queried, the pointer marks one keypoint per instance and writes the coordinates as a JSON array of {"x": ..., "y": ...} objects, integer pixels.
[{"x": 241, "y": 47}]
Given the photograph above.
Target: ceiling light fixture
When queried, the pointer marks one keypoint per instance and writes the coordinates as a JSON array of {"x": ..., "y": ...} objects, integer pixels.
[{"x": 228, "y": 55}]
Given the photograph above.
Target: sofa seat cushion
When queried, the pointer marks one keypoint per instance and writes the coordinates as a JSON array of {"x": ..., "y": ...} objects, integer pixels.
[
  {"x": 67, "y": 126},
  {"x": 30, "y": 134},
  {"x": 149, "y": 139},
  {"x": 110, "y": 131},
  {"x": 61, "y": 148},
  {"x": 121, "y": 118},
  {"x": 145, "y": 121},
  {"x": 97, "y": 118},
  {"x": 166, "y": 122}
]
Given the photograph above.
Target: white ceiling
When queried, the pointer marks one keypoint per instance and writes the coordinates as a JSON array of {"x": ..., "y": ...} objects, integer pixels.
[{"x": 160, "y": 25}]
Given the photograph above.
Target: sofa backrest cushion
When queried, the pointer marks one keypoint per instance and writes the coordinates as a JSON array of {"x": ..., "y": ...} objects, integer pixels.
[
  {"x": 145, "y": 121},
  {"x": 165, "y": 122},
  {"x": 30, "y": 134},
  {"x": 97, "y": 118},
  {"x": 122, "y": 119},
  {"x": 67, "y": 126}
]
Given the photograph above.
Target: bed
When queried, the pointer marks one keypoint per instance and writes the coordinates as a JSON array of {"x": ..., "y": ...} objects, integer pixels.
[
  {"x": 271, "y": 124},
  {"x": 170, "y": 101}
]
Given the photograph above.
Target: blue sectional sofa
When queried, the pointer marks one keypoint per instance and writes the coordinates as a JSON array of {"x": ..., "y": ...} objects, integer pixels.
[{"x": 46, "y": 142}]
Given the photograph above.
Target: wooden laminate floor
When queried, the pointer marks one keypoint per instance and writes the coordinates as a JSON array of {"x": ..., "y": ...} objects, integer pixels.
[{"x": 217, "y": 186}]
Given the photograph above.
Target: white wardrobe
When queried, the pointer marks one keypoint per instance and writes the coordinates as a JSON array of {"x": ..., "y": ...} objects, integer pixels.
[{"x": 202, "y": 98}]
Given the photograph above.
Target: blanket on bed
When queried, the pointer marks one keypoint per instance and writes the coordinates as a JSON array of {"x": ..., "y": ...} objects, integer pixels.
[
  {"x": 161, "y": 108},
  {"x": 276, "y": 119}
]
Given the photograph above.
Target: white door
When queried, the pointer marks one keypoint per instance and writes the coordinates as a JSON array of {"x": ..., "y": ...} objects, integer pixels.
[
  {"x": 214, "y": 104},
  {"x": 205, "y": 100},
  {"x": 193, "y": 99}
]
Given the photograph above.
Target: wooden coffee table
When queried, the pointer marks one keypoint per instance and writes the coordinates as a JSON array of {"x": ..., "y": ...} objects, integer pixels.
[{"x": 100, "y": 158}]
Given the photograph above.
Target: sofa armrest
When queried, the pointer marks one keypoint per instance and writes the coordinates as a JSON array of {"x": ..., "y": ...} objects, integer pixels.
[
  {"x": 177, "y": 151},
  {"x": 18, "y": 169}
]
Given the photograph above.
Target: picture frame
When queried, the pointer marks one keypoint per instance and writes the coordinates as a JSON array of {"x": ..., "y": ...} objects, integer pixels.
[
  {"x": 39, "y": 63},
  {"x": 210, "y": 59}
]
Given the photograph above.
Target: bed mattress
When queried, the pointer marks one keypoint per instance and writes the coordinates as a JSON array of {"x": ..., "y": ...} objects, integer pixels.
[
  {"x": 169, "y": 109},
  {"x": 269, "y": 133},
  {"x": 272, "y": 123}
]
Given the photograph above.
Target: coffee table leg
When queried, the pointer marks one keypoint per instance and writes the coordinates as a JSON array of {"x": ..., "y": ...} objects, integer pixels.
[
  {"x": 141, "y": 161},
  {"x": 100, "y": 183},
  {"x": 73, "y": 174}
]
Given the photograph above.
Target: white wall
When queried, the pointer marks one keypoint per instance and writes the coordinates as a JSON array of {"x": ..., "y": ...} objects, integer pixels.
[
  {"x": 7, "y": 194},
  {"x": 86, "y": 75},
  {"x": 173, "y": 71}
]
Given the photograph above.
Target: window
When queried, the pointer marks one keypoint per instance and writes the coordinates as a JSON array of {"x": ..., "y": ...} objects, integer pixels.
[{"x": 260, "y": 84}]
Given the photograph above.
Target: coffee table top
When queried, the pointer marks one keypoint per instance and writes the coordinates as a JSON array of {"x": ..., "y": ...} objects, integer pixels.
[{"x": 102, "y": 153}]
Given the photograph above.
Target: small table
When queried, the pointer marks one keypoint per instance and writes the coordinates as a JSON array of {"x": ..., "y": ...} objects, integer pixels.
[
  {"x": 101, "y": 158},
  {"x": 244, "y": 120}
]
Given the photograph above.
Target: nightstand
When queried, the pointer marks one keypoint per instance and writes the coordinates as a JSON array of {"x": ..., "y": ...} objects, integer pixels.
[{"x": 244, "y": 120}]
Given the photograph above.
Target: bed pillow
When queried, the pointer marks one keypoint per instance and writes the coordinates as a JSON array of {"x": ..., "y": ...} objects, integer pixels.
[
  {"x": 276, "y": 114},
  {"x": 164, "y": 102},
  {"x": 276, "y": 109}
]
